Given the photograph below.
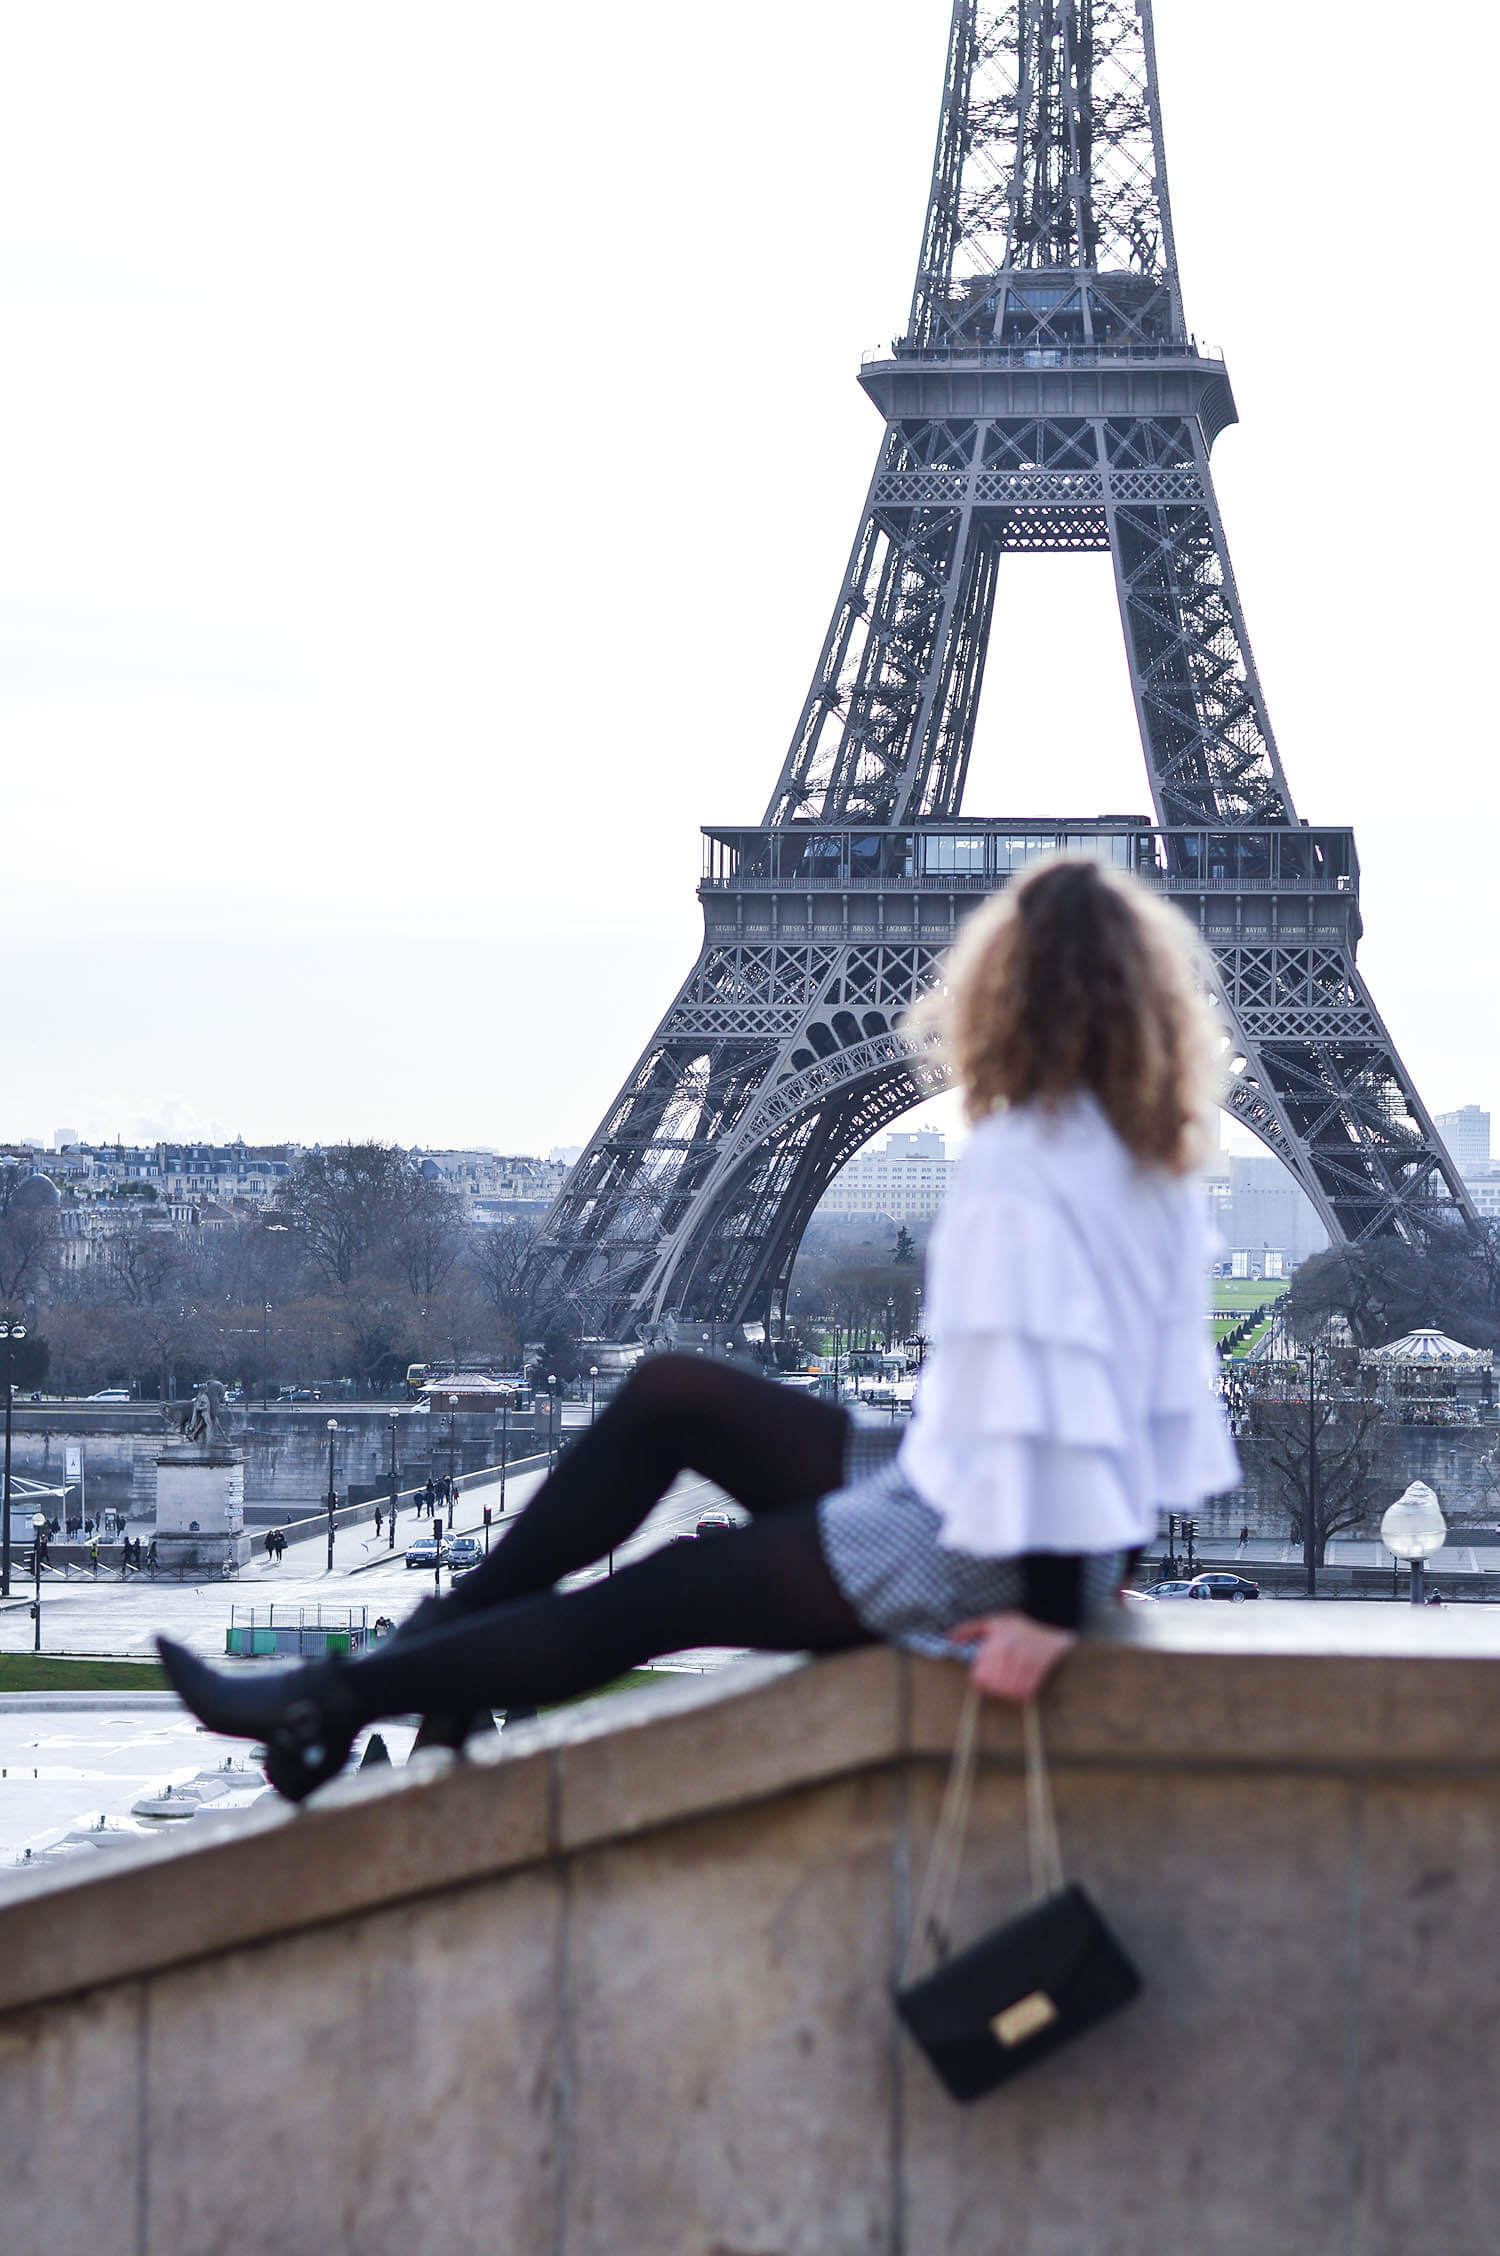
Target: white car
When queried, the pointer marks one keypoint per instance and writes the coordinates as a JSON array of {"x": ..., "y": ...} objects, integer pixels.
[
  {"x": 1170, "y": 1590},
  {"x": 111, "y": 1394}
]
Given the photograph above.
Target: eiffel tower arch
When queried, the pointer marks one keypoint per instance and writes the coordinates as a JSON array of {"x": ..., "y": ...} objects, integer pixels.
[{"x": 1045, "y": 397}]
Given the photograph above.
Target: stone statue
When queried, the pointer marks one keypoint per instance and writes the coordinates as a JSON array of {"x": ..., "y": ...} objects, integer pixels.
[{"x": 204, "y": 1420}]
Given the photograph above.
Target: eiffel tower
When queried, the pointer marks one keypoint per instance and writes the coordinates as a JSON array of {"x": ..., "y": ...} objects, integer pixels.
[{"x": 1046, "y": 396}]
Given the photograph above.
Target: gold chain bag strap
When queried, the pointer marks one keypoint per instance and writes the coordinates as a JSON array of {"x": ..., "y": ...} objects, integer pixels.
[{"x": 1028, "y": 1986}]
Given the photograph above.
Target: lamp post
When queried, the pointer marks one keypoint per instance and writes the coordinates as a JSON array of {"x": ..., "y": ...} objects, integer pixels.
[
  {"x": 11, "y": 1330},
  {"x": 504, "y": 1450},
  {"x": 391, "y": 1539},
  {"x": 551, "y": 1420},
  {"x": 265, "y": 1355},
  {"x": 593, "y": 1389},
  {"x": 1413, "y": 1528},
  {"x": 38, "y": 1537},
  {"x": 1310, "y": 1520},
  {"x": 452, "y": 1422},
  {"x": 333, "y": 1497}
]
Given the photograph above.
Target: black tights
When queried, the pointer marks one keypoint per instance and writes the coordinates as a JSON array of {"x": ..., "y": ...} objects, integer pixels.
[{"x": 507, "y": 1638}]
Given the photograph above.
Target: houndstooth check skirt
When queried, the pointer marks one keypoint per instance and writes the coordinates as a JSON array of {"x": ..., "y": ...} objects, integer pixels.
[{"x": 881, "y": 1541}]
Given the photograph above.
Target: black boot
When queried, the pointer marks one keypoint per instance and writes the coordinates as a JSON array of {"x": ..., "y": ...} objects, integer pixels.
[{"x": 304, "y": 1715}]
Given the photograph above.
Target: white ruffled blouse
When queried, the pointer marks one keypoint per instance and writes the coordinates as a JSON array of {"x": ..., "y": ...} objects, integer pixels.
[{"x": 1068, "y": 1395}]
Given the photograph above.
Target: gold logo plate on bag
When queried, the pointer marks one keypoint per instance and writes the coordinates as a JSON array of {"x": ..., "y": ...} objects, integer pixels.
[{"x": 1026, "y": 2018}]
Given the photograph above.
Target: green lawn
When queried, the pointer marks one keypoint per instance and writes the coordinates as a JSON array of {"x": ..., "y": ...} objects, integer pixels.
[
  {"x": 1236, "y": 1296},
  {"x": 56, "y": 1672}
]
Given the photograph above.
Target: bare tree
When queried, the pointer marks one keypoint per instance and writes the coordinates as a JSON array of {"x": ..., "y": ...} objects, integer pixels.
[
  {"x": 430, "y": 1232},
  {"x": 145, "y": 1266},
  {"x": 497, "y": 1261},
  {"x": 1322, "y": 1449},
  {"x": 343, "y": 1204}
]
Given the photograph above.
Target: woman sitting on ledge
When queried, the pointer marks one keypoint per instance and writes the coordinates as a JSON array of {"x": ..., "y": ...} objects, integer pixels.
[{"x": 1067, "y": 1398}]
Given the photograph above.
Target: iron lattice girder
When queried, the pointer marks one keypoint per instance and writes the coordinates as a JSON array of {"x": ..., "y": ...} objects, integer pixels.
[
  {"x": 789, "y": 1033},
  {"x": 1048, "y": 158},
  {"x": 1046, "y": 396},
  {"x": 887, "y": 728}
]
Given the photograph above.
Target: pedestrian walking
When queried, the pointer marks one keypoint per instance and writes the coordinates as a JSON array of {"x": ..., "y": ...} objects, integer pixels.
[
  {"x": 379, "y": 1523},
  {"x": 280, "y": 1544},
  {"x": 1067, "y": 1270},
  {"x": 431, "y": 1494},
  {"x": 151, "y": 1556},
  {"x": 1244, "y": 1538},
  {"x": 270, "y": 1546},
  {"x": 94, "y": 1556}
]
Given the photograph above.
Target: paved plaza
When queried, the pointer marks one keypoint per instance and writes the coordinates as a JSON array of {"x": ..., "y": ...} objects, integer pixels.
[{"x": 74, "y": 1764}]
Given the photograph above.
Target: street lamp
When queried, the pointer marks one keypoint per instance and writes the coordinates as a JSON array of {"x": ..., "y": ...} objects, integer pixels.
[
  {"x": 551, "y": 1419},
  {"x": 1310, "y": 1523},
  {"x": 333, "y": 1497},
  {"x": 391, "y": 1541},
  {"x": 265, "y": 1355},
  {"x": 1413, "y": 1528},
  {"x": 10, "y": 1331},
  {"x": 38, "y": 1537},
  {"x": 593, "y": 1388},
  {"x": 452, "y": 1422}
]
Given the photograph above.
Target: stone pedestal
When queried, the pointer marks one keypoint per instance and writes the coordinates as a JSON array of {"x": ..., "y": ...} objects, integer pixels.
[{"x": 200, "y": 1508}]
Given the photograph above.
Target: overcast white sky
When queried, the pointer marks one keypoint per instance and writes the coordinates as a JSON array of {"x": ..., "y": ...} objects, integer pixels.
[{"x": 429, "y": 445}]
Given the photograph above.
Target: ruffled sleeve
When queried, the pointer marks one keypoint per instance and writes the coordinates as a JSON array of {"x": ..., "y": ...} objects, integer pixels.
[{"x": 1069, "y": 1392}]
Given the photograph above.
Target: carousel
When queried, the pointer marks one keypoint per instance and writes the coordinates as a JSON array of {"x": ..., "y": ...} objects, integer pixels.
[{"x": 1428, "y": 1379}]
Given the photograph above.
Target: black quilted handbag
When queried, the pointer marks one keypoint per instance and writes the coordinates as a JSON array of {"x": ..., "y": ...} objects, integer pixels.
[{"x": 1012, "y": 1998}]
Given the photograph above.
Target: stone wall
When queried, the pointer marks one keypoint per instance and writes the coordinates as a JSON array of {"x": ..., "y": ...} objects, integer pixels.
[
  {"x": 286, "y": 1450},
  {"x": 1453, "y": 1460},
  {"x": 623, "y": 1986}
]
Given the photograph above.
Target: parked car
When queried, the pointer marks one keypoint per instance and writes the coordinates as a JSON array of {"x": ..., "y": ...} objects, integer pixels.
[
  {"x": 1237, "y": 1588},
  {"x": 464, "y": 1553},
  {"x": 1180, "y": 1589},
  {"x": 426, "y": 1552},
  {"x": 716, "y": 1523},
  {"x": 1138, "y": 1597},
  {"x": 299, "y": 1394},
  {"x": 111, "y": 1394}
]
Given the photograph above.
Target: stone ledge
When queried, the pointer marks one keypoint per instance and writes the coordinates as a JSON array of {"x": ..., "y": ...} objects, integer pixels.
[{"x": 1315, "y": 1689}]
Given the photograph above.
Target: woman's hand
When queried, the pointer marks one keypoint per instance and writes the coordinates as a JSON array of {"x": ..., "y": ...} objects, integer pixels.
[{"x": 1016, "y": 1654}]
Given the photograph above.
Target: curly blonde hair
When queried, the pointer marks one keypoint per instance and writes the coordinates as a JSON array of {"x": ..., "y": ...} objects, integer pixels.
[{"x": 1077, "y": 978}]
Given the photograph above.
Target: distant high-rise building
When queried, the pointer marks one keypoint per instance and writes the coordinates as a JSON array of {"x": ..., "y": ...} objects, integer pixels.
[
  {"x": 1467, "y": 1135},
  {"x": 62, "y": 1138},
  {"x": 905, "y": 1181},
  {"x": 1260, "y": 1208}
]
